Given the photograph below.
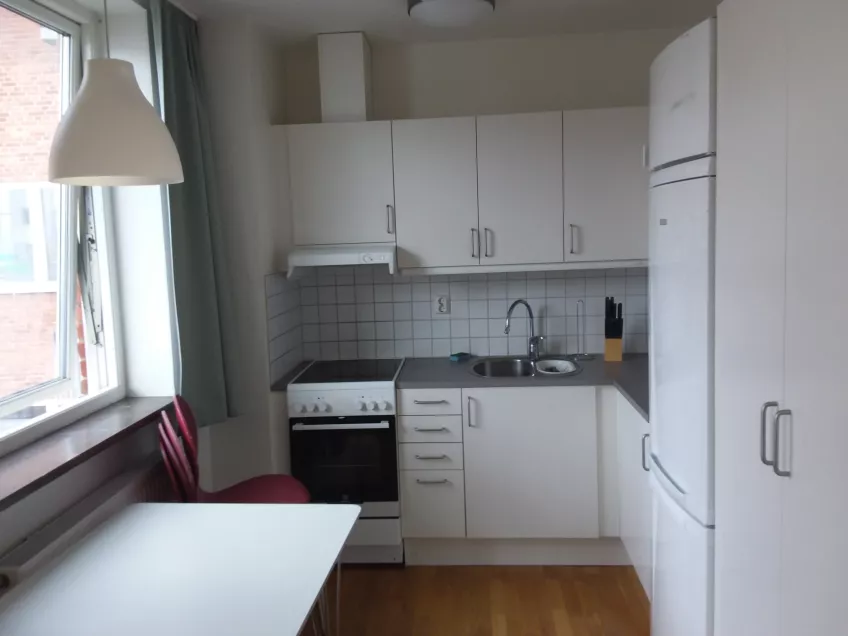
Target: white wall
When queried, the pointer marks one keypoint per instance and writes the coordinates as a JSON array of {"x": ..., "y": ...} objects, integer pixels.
[
  {"x": 142, "y": 244},
  {"x": 481, "y": 77},
  {"x": 245, "y": 89}
]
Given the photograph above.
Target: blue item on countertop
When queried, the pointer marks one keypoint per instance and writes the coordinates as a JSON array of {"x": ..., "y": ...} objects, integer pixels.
[{"x": 460, "y": 357}]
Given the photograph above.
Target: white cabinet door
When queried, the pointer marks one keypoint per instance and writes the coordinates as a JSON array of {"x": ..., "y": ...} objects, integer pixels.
[
  {"x": 531, "y": 463},
  {"x": 432, "y": 504},
  {"x": 605, "y": 184},
  {"x": 750, "y": 264},
  {"x": 519, "y": 166},
  {"x": 814, "y": 439},
  {"x": 435, "y": 164},
  {"x": 342, "y": 187},
  {"x": 636, "y": 500}
]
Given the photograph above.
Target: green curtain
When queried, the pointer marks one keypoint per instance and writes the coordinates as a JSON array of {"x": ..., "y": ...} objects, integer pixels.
[{"x": 195, "y": 228}]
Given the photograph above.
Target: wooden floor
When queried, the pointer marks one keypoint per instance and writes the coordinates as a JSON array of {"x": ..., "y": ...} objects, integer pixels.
[{"x": 496, "y": 601}]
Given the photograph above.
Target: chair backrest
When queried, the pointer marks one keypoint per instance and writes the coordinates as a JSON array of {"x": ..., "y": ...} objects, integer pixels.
[
  {"x": 174, "y": 452},
  {"x": 170, "y": 466},
  {"x": 188, "y": 428}
]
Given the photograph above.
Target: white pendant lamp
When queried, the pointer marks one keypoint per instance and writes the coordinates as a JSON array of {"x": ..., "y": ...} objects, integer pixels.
[
  {"x": 450, "y": 13},
  {"x": 111, "y": 135}
]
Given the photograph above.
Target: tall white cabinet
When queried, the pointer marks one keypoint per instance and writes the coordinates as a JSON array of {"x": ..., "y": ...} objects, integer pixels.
[
  {"x": 814, "y": 437},
  {"x": 781, "y": 513}
]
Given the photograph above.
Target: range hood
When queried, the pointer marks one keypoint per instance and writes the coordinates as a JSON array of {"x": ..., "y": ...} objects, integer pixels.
[{"x": 354, "y": 254}]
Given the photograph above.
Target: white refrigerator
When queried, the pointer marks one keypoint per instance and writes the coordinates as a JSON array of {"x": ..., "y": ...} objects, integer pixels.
[{"x": 682, "y": 222}]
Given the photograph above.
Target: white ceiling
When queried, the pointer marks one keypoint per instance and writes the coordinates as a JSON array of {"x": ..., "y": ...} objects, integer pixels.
[{"x": 388, "y": 19}]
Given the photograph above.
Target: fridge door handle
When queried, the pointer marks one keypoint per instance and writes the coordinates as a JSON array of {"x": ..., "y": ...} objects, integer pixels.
[
  {"x": 645, "y": 466},
  {"x": 763, "y": 417},
  {"x": 663, "y": 473},
  {"x": 776, "y": 464}
]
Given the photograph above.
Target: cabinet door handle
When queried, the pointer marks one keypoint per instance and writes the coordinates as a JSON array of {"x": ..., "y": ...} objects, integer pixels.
[
  {"x": 469, "y": 400},
  {"x": 571, "y": 228},
  {"x": 487, "y": 232},
  {"x": 429, "y": 402},
  {"x": 432, "y": 482},
  {"x": 441, "y": 429},
  {"x": 390, "y": 219},
  {"x": 763, "y": 414},
  {"x": 475, "y": 243},
  {"x": 430, "y": 457},
  {"x": 645, "y": 466},
  {"x": 776, "y": 464}
]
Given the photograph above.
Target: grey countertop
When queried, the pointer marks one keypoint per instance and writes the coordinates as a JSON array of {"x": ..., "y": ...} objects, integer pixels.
[{"x": 629, "y": 376}]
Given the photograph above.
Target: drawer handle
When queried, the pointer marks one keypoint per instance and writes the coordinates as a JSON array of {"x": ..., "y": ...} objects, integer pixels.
[
  {"x": 432, "y": 482},
  {"x": 441, "y": 429},
  {"x": 427, "y": 457},
  {"x": 430, "y": 402}
]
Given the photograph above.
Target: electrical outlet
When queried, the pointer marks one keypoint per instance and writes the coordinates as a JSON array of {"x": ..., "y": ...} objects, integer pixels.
[{"x": 441, "y": 305}]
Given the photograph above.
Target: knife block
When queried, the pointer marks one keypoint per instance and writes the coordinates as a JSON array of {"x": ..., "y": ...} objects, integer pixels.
[{"x": 613, "y": 350}]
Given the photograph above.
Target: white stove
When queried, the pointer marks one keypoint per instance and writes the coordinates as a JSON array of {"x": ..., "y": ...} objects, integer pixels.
[{"x": 343, "y": 426}]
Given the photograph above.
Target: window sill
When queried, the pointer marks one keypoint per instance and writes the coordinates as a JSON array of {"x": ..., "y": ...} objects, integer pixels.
[{"x": 27, "y": 469}]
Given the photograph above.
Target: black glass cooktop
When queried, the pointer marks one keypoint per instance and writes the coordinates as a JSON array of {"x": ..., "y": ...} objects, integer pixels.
[{"x": 349, "y": 371}]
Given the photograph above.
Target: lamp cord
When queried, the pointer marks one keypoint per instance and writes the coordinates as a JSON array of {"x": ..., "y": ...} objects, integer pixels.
[{"x": 106, "y": 26}]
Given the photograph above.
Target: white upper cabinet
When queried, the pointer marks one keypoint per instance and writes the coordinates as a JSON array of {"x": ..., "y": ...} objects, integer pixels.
[
  {"x": 435, "y": 165},
  {"x": 520, "y": 188},
  {"x": 682, "y": 94},
  {"x": 342, "y": 187},
  {"x": 531, "y": 463},
  {"x": 750, "y": 298},
  {"x": 605, "y": 184}
]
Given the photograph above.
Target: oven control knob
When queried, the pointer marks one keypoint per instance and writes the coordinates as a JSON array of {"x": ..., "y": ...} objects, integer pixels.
[
  {"x": 325, "y": 407},
  {"x": 300, "y": 408},
  {"x": 385, "y": 406},
  {"x": 315, "y": 408},
  {"x": 373, "y": 406},
  {"x": 363, "y": 406}
]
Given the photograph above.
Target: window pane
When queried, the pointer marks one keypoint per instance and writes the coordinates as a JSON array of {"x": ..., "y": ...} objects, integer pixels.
[{"x": 34, "y": 350}]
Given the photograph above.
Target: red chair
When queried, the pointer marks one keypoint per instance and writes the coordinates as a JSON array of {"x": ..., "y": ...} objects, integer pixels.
[{"x": 180, "y": 457}]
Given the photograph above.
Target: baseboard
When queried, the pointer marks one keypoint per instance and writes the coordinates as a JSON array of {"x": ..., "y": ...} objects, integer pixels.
[
  {"x": 515, "y": 552},
  {"x": 373, "y": 554}
]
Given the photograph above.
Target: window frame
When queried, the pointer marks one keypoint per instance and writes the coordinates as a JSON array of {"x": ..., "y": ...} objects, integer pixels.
[{"x": 83, "y": 37}]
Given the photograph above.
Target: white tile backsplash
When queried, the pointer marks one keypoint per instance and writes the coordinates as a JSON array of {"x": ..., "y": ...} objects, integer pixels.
[
  {"x": 384, "y": 316},
  {"x": 286, "y": 331}
]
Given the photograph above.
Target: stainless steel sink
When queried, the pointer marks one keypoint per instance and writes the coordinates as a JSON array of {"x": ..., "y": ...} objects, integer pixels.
[
  {"x": 503, "y": 368},
  {"x": 522, "y": 368}
]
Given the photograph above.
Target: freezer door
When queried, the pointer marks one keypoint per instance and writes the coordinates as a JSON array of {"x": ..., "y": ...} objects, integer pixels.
[
  {"x": 683, "y": 98},
  {"x": 682, "y": 603},
  {"x": 681, "y": 342}
]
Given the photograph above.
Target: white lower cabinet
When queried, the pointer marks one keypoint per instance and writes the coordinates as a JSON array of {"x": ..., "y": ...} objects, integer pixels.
[
  {"x": 634, "y": 490},
  {"x": 433, "y": 503},
  {"x": 531, "y": 463}
]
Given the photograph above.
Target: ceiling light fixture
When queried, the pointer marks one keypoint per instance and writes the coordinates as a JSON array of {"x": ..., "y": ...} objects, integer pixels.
[
  {"x": 111, "y": 135},
  {"x": 450, "y": 13}
]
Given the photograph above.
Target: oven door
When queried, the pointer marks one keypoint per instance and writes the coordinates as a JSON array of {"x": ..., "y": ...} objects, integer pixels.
[{"x": 346, "y": 459}]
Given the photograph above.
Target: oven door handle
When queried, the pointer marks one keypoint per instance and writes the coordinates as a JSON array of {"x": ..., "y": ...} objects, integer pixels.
[{"x": 340, "y": 427}]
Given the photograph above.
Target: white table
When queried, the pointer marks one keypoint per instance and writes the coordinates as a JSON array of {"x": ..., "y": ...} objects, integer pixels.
[{"x": 186, "y": 570}]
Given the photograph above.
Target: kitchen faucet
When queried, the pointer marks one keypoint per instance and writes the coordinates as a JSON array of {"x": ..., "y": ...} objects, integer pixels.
[{"x": 534, "y": 341}]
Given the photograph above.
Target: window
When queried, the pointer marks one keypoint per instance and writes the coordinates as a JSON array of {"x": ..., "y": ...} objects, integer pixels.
[{"x": 55, "y": 353}]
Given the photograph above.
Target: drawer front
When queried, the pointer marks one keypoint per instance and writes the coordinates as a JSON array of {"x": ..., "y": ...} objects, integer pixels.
[
  {"x": 375, "y": 532},
  {"x": 438, "y": 456},
  {"x": 432, "y": 503},
  {"x": 430, "y": 401},
  {"x": 422, "y": 428}
]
